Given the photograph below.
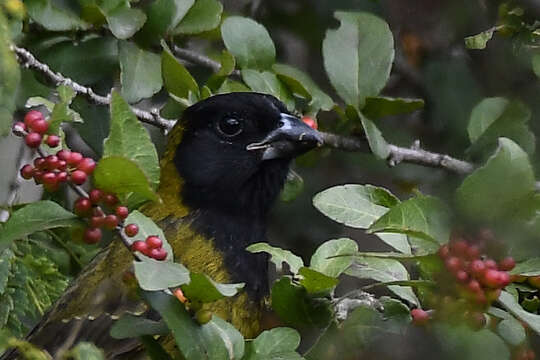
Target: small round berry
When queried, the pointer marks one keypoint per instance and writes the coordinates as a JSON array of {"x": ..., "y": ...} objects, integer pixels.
[
  {"x": 38, "y": 174},
  {"x": 310, "y": 122},
  {"x": 490, "y": 264},
  {"x": 477, "y": 267},
  {"x": 158, "y": 254},
  {"x": 491, "y": 278},
  {"x": 203, "y": 316},
  {"x": 534, "y": 281},
  {"x": 473, "y": 252},
  {"x": 139, "y": 246},
  {"x": 459, "y": 247},
  {"x": 78, "y": 177},
  {"x": 419, "y": 316},
  {"x": 19, "y": 128},
  {"x": 97, "y": 212},
  {"x": 122, "y": 212},
  {"x": 110, "y": 199},
  {"x": 462, "y": 276},
  {"x": 154, "y": 242},
  {"x": 453, "y": 264},
  {"x": 96, "y": 221},
  {"x": 62, "y": 176},
  {"x": 74, "y": 158},
  {"x": 96, "y": 195},
  {"x": 62, "y": 165},
  {"x": 110, "y": 222},
  {"x": 87, "y": 165},
  {"x": 474, "y": 286},
  {"x": 504, "y": 279},
  {"x": 53, "y": 140},
  {"x": 33, "y": 139},
  {"x": 82, "y": 206},
  {"x": 32, "y": 116},
  {"x": 507, "y": 264},
  {"x": 444, "y": 251},
  {"x": 64, "y": 154},
  {"x": 27, "y": 171},
  {"x": 40, "y": 163},
  {"x": 49, "y": 178},
  {"x": 51, "y": 162},
  {"x": 131, "y": 230},
  {"x": 39, "y": 126},
  {"x": 92, "y": 235}
]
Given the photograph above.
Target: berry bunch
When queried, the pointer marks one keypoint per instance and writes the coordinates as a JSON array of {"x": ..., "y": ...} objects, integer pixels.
[{"x": 151, "y": 247}]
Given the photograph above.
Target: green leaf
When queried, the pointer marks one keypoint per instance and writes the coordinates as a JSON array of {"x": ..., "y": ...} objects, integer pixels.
[
  {"x": 510, "y": 303},
  {"x": 53, "y": 17},
  {"x": 36, "y": 216},
  {"x": 267, "y": 82},
  {"x": 165, "y": 15},
  {"x": 196, "y": 342},
  {"x": 511, "y": 331},
  {"x": 364, "y": 326},
  {"x": 278, "y": 256},
  {"x": 140, "y": 72},
  {"x": 496, "y": 117},
  {"x": 381, "y": 106},
  {"x": 154, "y": 275},
  {"x": 230, "y": 86},
  {"x": 124, "y": 21},
  {"x": 249, "y": 42},
  {"x": 122, "y": 176},
  {"x": 6, "y": 257},
  {"x": 536, "y": 64},
  {"x": 9, "y": 79},
  {"x": 529, "y": 267},
  {"x": 204, "y": 15},
  {"x": 333, "y": 267},
  {"x": 301, "y": 84},
  {"x": 147, "y": 227},
  {"x": 278, "y": 343},
  {"x": 496, "y": 189},
  {"x": 128, "y": 138},
  {"x": 129, "y": 326},
  {"x": 178, "y": 81},
  {"x": 422, "y": 216},
  {"x": 294, "y": 185},
  {"x": 86, "y": 351},
  {"x": 295, "y": 307},
  {"x": 377, "y": 143},
  {"x": 479, "y": 41},
  {"x": 358, "y": 56},
  {"x": 153, "y": 348},
  {"x": 96, "y": 126},
  {"x": 359, "y": 206},
  {"x": 383, "y": 270},
  {"x": 316, "y": 282},
  {"x": 205, "y": 290}
]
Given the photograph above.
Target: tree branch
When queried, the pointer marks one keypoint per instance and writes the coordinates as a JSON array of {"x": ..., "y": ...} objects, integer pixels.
[
  {"x": 199, "y": 59},
  {"x": 28, "y": 60}
]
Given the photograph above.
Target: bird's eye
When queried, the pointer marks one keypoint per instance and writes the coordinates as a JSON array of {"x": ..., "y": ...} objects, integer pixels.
[{"x": 230, "y": 127}]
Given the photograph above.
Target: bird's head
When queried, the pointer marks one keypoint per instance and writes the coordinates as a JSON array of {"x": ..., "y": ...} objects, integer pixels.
[{"x": 235, "y": 151}]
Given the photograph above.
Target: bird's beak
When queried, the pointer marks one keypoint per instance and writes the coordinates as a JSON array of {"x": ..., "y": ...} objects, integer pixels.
[{"x": 291, "y": 139}]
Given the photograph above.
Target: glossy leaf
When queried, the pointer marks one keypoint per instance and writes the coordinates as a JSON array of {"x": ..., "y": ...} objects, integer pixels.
[
  {"x": 249, "y": 42},
  {"x": 316, "y": 282},
  {"x": 86, "y": 351},
  {"x": 380, "y": 106},
  {"x": 129, "y": 326},
  {"x": 54, "y": 17},
  {"x": 164, "y": 16},
  {"x": 177, "y": 79},
  {"x": 358, "y": 56},
  {"x": 140, "y": 72},
  {"x": 204, "y": 15},
  {"x": 153, "y": 275},
  {"x": 267, "y": 82},
  {"x": 204, "y": 289},
  {"x": 529, "y": 267},
  {"x": 125, "y": 21},
  {"x": 278, "y": 343},
  {"x": 496, "y": 189},
  {"x": 511, "y": 331},
  {"x": 278, "y": 256},
  {"x": 511, "y": 304},
  {"x": 36, "y": 216},
  {"x": 294, "y": 185},
  {"x": 324, "y": 260},
  {"x": 479, "y": 41}
]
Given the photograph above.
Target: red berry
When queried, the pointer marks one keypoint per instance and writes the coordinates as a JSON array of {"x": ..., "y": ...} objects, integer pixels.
[
  {"x": 490, "y": 264},
  {"x": 459, "y": 247},
  {"x": 49, "y": 178},
  {"x": 62, "y": 165},
  {"x": 453, "y": 264},
  {"x": 74, "y": 158},
  {"x": 40, "y": 163},
  {"x": 474, "y": 286},
  {"x": 110, "y": 199},
  {"x": 19, "y": 127},
  {"x": 27, "y": 171},
  {"x": 491, "y": 278},
  {"x": 97, "y": 221},
  {"x": 504, "y": 279},
  {"x": 62, "y": 176},
  {"x": 92, "y": 235},
  {"x": 33, "y": 139},
  {"x": 154, "y": 242},
  {"x": 473, "y": 252},
  {"x": 32, "y": 116},
  {"x": 78, "y": 177},
  {"x": 64, "y": 154},
  {"x": 82, "y": 206},
  {"x": 419, "y": 316},
  {"x": 96, "y": 195},
  {"x": 122, "y": 212},
  {"x": 477, "y": 267},
  {"x": 97, "y": 212},
  {"x": 131, "y": 230},
  {"x": 39, "y": 126},
  {"x": 158, "y": 254},
  {"x": 462, "y": 276},
  {"x": 507, "y": 264},
  {"x": 310, "y": 122},
  {"x": 444, "y": 251},
  {"x": 87, "y": 165},
  {"x": 37, "y": 176},
  {"x": 51, "y": 162},
  {"x": 53, "y": 140},
  {"x": 110, "y": 222},
  {"x": 139, "y": 246}
]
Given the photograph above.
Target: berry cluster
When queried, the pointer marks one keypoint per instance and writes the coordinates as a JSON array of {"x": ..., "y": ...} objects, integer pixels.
[
  {"x": 523, "y": 354},
  {"x": 151, "y": 247},
  {"x": 482, "y": 277},
  {"x": 34, "y": 128}
]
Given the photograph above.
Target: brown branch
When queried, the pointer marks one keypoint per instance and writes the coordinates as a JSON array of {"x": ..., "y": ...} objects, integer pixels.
[{"x": 199, "y": 59}]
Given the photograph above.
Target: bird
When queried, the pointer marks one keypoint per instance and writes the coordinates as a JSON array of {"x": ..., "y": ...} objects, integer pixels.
[{"x": 224, "y": 165}]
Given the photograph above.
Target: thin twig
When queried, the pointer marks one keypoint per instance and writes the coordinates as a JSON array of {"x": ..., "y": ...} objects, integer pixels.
[
  {"x": 28, "y": 60},
  {"x": 199, "y": 59}
]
